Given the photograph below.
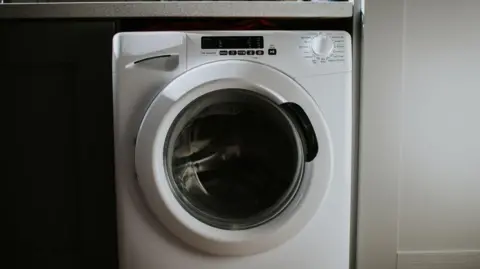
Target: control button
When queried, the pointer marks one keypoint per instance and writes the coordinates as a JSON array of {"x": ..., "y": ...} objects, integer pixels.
[
  {"x": 250, "y": 52},
  {"x": 322, "y": 45},
  {"x": 232, "y": 52},
  {"x": 272, "y": 52},
  {"x": 241, "y": 52},
  {"x": 259, "y": 52},
  {"x": 223, "y": 52}
]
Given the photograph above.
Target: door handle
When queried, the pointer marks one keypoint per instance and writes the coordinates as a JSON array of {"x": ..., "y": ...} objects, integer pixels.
[
  {"x": 306, "y": 130},
  {"x": 164, "y": 62}
]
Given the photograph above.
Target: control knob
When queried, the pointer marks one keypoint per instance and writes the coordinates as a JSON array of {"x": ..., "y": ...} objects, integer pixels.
[{"x": 322, "y": 45}]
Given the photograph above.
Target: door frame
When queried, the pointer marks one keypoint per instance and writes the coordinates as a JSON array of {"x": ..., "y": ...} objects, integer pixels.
[{"x": 380, "y": 155}]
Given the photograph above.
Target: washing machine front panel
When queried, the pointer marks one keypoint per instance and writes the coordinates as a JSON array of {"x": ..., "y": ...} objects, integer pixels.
[{"x": 233, "y": 157}]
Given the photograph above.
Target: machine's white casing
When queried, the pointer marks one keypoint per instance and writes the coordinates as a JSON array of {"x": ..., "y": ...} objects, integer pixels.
[{"x": 144, "y": 242}]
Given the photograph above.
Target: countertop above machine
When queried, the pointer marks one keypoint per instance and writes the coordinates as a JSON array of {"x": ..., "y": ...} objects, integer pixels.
[{"x": 279, "y": 9}]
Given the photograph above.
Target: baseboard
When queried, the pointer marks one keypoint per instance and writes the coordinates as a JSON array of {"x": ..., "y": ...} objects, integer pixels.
[{"x": 461, "y": 259}]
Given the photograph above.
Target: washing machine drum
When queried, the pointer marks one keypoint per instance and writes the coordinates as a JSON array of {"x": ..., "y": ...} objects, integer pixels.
[
  {"x": 234, "y": 159},
  {"x": 227, "y": 167}
]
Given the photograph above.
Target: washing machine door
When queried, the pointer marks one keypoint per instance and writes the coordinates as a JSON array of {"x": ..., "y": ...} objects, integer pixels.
[{"x": 233, "y": 157}]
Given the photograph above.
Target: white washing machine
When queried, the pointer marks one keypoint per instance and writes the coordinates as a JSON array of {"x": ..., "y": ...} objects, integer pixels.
[{"x": 233, "y": 149}]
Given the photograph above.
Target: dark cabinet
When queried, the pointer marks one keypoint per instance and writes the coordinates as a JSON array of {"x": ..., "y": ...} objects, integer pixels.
[{"x": 56, "y": 77}]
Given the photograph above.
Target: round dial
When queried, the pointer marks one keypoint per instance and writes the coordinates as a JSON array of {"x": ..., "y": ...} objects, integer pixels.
[{"x": 322, "y": 45}]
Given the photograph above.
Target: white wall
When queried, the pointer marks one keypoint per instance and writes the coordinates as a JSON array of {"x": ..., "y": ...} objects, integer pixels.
[
  {"x": 420, "y": 135},
  {"x": 440, "y": 177}
]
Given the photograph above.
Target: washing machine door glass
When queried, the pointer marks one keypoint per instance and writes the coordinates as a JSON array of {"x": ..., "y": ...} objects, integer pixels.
[{"x": 234, "y": 159}]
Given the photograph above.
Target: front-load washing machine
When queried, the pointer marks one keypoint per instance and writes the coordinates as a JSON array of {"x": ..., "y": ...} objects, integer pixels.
[{"x": 233, "y": 149}]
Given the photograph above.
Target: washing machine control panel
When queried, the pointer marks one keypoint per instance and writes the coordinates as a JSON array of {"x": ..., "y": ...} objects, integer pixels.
[{"x": 302, "y": 52}]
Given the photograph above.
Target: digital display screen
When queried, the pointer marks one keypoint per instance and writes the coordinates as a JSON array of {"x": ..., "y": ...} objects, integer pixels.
[{"x": 232, "y": 42}]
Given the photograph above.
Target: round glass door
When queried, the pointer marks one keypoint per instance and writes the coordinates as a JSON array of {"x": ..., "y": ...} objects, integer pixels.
[{"x": 234, "y": 159}]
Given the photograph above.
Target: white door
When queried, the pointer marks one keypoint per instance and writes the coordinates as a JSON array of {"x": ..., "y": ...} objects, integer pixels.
[{"x": 234, "y": 157}]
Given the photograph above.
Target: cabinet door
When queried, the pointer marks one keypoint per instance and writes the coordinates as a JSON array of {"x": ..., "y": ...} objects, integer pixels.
[{"x": 62, "y": 193}]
